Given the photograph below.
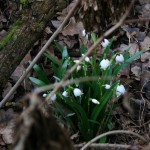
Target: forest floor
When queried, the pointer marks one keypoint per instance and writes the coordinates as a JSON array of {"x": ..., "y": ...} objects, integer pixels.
[{"x": 136, "y": 77}]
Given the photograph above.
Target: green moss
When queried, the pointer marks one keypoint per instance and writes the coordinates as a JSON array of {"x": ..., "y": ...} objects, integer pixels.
[
  {"x": 24, "y": 2},
  {"x": 37, "y": 26},
  {"x": 10, "y": 34}
]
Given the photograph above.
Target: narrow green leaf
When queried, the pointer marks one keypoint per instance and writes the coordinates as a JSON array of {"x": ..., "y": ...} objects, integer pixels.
[
  {"x": 134, "y": 56},
  {"x": 37, "y": 81},
  {"x": 64, "y": 53},
  {"x": 52, "y": 59},
  {"x": 40, "y": 73},
  {"x": 65, "y": 64},
  {"x": 83, "y": 49},
  {"x": 94, "y": 38},
  {"x": 59, "y": 47}
]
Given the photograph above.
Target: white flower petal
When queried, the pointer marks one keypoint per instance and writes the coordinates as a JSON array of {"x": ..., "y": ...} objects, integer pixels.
[
  {"x": 104, "y": 63},
  {"x": 105, "y": 43},
  {"x": 44, "y": 95},
  {"x": 87, "y": 59},
  {"x": 78, "y": 67},
  {"x": 53, "y": 97},
  {"x": 65, "y": 94},
  {"x": 87, "y": 36},
  {"x": 76, "y": 61},
  {"x": 95, "y": 101},
  {"x": 119, "y": 58},
  {"x": 107, "y": 86},
  {"x": 77, "y": 92},
  {"x": 120, "y": 90},
  {"x": 83, "y": 33}
]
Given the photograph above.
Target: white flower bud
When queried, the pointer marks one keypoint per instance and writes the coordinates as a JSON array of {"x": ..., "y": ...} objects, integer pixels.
[
  {"x": 120, "y": 90},
  {"x": 83, "y": 33},
  {"x": 65, "y": 94},
  {"x": 105, "y": 43},
  {"x": 78, "y": 68},
  {"x": 44, "y": 95},
  {"x": 87, "y": 59},
  {"x": 87, "y": 36},
  {"x": 119, "y": 58},
  {"x": 76, "y": 61},
  {"x": 107, "y": 86},
  {"x": 53, "y": 97},
  {"x": 104, "y": 63},
  {"x": 77, "y": 92},
  {"x": 95, "y": 101}
]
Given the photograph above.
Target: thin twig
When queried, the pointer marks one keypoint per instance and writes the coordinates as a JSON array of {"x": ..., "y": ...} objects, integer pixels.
[
  {"x": 110, "y": 133},
  {"x": 108, "y": 146},
  {"x": 6, "y": 98},
  {"x": 69, "y": 82},
  {"x": 137, "y": 20},
  {"x": 108, "y": 32}
]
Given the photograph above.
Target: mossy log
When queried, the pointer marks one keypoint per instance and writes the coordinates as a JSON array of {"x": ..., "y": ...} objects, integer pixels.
[{"x": 28, "y": 31}]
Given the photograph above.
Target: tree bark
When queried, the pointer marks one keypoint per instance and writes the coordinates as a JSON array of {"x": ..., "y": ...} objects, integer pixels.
[{"x": 27, "y": 34}]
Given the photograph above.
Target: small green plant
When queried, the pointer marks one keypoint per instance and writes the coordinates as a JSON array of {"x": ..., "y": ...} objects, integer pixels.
[
  {"x": 24, "y": 2},
  {"x": 87, "y": 106}
]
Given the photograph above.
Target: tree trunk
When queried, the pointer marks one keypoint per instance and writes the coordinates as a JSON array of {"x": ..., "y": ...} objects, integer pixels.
[{"x": 26, "y": 35}]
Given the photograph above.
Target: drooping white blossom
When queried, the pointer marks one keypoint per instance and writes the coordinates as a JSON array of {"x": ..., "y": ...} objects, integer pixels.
[
  {"x": 78, "y": 67},
  {"x": 76, "y": 61},
  {"x": 120, "y": 90},
  {"x": 87, "y": 59},
  {"x": 105, "y": 43},
  {"x": 77, "y": 92},
  {"x": 104, "y": 64},
  {"x": 107, "y": 86},
  {"x": 53, "y": 97},
  {"x": 65, "y": 94},
  {"x": 95, "y": 101},
  {"x": 119, "y": 58},
  {"x": 83, "y": 33},
  {"x": 44, "y": 95}
]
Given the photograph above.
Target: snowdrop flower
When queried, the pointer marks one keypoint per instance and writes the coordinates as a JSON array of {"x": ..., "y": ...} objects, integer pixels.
[
  {"x": 104, "y": 63},
  {"x": 95, "y": 101},
  {"x": 65, "y": 94},
  {"x": 83, "y": 33},
  {"x": 53, "y": 97},
  {"x": 119, "y": 58},
  {"x": 76, "y": 61},
  {"x": 105, "y": 43},
  {"x": 107, "y": 86},
  {"x": 87, "y": 36},
  {"x": 77, "y": 92},
  {"x": 78, "y": 68},
  {"x": 44, "y": 95},
  {"x": 87, "y": 59},
  {"x": 120, "y": 90}
]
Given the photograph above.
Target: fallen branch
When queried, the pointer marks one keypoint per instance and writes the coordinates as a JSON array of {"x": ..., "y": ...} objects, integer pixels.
[
  {"x": 108, "y": 146},
  {"x": 110, "y": 133}
]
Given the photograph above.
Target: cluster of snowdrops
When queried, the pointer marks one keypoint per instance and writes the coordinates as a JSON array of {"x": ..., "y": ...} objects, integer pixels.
[{"x": 87, "y": 106}]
